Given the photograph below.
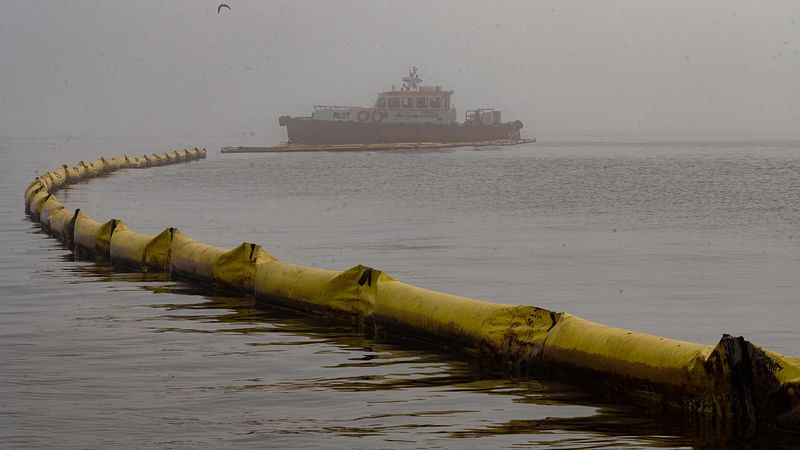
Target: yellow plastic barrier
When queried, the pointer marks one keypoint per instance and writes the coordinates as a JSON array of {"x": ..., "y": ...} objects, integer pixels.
[
  {"x": 717, "y": 381},
  {"x": 57, "y": 178},
  {"x": 786, "y": 370},
  {"x": 640, "y": 360},
  {"x": 34, "y": 188},
  {"x": 73, "y": 175},
  {"x": 316, "y": 289},
  {"x": 233, "y": 268},
  {"x": 80, "y": 172},
  {"x": 91, "y": 170},
  {"x": 49, "y": 206},
  {"x": 237, "y": 267},
  {"x": 193, "y": 259},
  {"x": 59, "y": 224},
  {"x": 37, "y": 203},
  {"x": 504, "y": 330},
  {"x": 103, "y": 162},
  {"x": 172, "y": 156},
  {"x": 116, "y": 163},
  {"x": 92, "y": 237},
  {"x": 40, "y": 183},
  {"x": 139, "y": 163},
  {"x": 734, "y": 383},
  {"x": 46, "y": 181},
  {"x": 140, "y": 251},
  {"x": 99, "y": 166},
  {"x": 154, "y": 160},
  {"x": 623, "y": 352}
]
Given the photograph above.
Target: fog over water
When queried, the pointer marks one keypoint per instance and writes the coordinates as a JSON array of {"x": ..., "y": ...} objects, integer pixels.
[{"x": 180, "y": 68}]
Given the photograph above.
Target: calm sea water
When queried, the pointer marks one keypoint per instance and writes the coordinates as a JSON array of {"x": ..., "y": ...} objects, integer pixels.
[{"x": 682, "y": 238}]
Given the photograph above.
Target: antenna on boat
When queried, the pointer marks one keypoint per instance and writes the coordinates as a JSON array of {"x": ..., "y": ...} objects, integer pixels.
[{"x": 410, "y": 82}]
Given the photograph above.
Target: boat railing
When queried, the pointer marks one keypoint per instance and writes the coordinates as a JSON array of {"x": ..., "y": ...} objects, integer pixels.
[{"x": 336, "y": 108}]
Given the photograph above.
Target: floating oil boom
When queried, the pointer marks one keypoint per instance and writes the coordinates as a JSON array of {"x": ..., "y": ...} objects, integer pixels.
[{"x": 734, "y": 385}]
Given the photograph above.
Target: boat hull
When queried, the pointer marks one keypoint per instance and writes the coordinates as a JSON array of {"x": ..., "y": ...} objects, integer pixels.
[{"x": 309, "y": 131}]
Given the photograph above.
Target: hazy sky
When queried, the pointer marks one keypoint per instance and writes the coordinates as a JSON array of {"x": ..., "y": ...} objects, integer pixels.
[{"x": 166, "y": 68}]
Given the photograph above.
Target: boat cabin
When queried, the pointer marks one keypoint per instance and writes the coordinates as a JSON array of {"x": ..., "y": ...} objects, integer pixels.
[
  {"x": 413, "y": 104},
  {"x": 424, "y": 98},
  {"x": 414, "y": 96}
]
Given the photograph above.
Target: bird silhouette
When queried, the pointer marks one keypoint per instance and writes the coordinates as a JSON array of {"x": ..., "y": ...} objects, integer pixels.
[{"x": 222, "y": 5}]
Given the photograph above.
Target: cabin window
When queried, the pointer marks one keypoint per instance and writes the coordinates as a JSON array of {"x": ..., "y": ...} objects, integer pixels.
[
  {"x": 408, "y": 102},
  {"x": 394, "y": 102},
  {"x": 422, "y": 102},
  {"x": 436, "y": 102},
  {"x": 381, "y": 103}
]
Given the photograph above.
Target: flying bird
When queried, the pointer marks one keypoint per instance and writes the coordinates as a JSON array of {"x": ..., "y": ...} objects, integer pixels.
[{"x": 222, "y": 5}]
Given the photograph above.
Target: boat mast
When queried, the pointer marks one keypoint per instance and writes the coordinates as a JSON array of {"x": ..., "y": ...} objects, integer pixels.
[{"x": 410, "y": 83}]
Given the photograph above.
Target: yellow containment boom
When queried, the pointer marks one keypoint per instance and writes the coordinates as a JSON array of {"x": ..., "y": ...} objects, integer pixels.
[{"x": 734, "y": 384}]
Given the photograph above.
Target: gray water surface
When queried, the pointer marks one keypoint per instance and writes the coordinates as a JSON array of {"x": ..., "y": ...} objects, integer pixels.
[{"x": 682, "y": 238}]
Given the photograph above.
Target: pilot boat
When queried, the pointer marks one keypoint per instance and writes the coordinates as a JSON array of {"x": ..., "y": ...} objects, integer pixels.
[{"x": 415, "y": 113}]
